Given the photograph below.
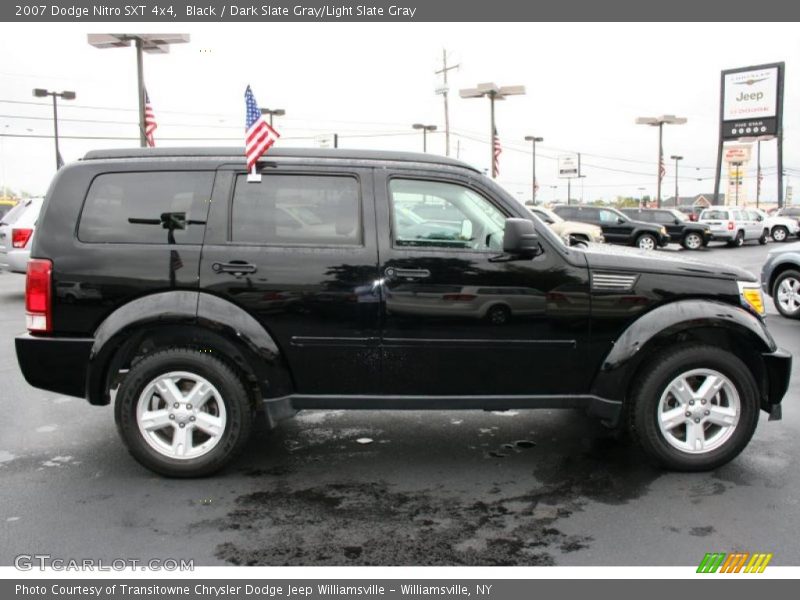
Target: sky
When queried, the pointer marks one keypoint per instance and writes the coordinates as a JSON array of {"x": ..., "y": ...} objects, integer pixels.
[{"x": 369, "y": 82}]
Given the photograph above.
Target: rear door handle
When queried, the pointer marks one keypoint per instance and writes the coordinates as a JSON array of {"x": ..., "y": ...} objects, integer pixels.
[
  {"x": 394, "y": 273},
  {"x": 236, "y": 267}
]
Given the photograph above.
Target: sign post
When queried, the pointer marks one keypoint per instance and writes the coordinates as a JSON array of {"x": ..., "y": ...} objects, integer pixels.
[{"x": 569, "y": 167}]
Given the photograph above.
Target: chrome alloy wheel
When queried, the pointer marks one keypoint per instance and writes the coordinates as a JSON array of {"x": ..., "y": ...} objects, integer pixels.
[
  {"x": 699, "y": 411},
  {"x": 181, "y": 415},
  {"x": 788, "y": 295},
  {"x": 694, "y": 241}
]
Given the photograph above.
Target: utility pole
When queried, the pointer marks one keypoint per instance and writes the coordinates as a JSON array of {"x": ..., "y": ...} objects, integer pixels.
[
  {"x": 443, "y": 90},
  {"x": 758, "y": 173},
  {"x": 676, "y": 158}
]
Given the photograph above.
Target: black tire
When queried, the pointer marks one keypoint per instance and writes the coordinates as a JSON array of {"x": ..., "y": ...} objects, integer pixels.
[
  {"x": 693, "y": 241},
  {"x": 498, "y": 314},
  {"x": 790, "y": 274},
  {"x": 764, "y": 237},
  {"x": 646, "y": 241},
  {"x": 738, "y": 241},
  {"x": 237, "y": 404},
  {"x": 780, "y": 233},
  {"x": 658, "y": 374}
]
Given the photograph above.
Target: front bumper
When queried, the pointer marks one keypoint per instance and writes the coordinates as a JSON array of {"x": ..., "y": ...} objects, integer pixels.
[
  {"x": 55, "y": 364},
  {"x": 779, "y": 369}
]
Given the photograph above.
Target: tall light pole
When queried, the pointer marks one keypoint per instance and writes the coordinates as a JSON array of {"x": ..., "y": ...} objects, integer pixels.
[
  {"x": 533, "y": 139},
  {"x": 42, "y": 93},
  {"x": 273, "y": 112},
  {"x": 676, "y": 158},
  {"x": 659, "y": 122},
  {"x": 493, "y": 92},
  {"x": 425, "y": 130},
  {"x": 154, "y": 43}
]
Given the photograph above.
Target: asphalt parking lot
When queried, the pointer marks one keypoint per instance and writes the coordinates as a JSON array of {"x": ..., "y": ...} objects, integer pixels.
[{"x": 390, "y": 488}]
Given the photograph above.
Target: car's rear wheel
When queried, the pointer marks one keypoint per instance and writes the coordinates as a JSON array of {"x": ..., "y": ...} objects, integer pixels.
[
  {"x": 693, "y": 241},
  {"x": 779, "y": 233},
  {"x": 764, "y": 237},
  {"x": 498, "y": 314},
  {"x": 786, "y": 294},
  {"x": 183, "y": 413},
  {"x": 737, "y": 241},
  {"x": 646, "y": 241},
  {"x": 694, "y": 409}
]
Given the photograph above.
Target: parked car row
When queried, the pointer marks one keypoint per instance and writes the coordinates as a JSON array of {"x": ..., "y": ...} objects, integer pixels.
[{"x": 650, "y": 228}]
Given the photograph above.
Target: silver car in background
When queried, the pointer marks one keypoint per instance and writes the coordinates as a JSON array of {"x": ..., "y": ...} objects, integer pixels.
[
  {"x": 16, "y": 234},
  {"x": 734, "y": 225},
  {"x": 780, "y": 278}
]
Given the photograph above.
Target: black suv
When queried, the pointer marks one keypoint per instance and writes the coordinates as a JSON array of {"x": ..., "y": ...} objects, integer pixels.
[
  {"x": 617, "y": 227},
  {"x": 370, "y": 280},
  {"x": 690, "y": 235}
]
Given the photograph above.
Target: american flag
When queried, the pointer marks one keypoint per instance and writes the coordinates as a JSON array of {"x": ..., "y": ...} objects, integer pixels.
[
  {"x": 259, "y": 134},
  {"x": 662, "y": 170},
  {"x": 497, "y": 150},
  {"x": 150, "y": 124}
]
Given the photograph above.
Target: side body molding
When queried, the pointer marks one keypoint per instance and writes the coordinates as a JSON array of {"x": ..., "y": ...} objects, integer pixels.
[{"x": 684, "y": 315}]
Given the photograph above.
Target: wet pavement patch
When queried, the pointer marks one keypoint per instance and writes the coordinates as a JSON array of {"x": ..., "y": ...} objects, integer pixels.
[{"x": 370, "y": 524}]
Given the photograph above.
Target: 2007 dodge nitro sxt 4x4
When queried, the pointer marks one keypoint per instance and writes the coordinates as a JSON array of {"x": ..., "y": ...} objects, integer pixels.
[{"x": 368, "y": 280}]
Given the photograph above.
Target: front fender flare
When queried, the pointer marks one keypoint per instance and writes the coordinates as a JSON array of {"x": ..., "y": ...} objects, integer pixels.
[{"x": 667, "y": 320}]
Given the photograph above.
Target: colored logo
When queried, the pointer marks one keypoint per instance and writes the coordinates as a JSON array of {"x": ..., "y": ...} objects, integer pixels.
[{"x": 735, "y": 562}]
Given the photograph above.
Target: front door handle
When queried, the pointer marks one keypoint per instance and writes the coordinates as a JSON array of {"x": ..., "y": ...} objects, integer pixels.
[
  {"x": 235, "y": 267},
  {"x": 395, "y": 273}
]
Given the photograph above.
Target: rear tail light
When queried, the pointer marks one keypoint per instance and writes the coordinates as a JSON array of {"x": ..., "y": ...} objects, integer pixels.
[
  {"x": 730, "y": 225},
  {"x": 20, "y": 237},
  {"x": 38, "y": 297}
]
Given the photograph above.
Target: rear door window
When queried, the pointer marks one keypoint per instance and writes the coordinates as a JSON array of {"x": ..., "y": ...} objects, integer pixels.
[
  {"x": 297, "y": 210},
  {"x": 157, "y": 207}
]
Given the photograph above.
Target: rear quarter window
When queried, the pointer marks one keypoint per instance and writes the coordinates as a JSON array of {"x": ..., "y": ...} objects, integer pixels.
[{"x": 162, "y": 207}]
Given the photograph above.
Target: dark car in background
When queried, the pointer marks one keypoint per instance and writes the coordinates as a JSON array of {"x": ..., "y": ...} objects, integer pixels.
[
  {"x": 617, "y": 227},
  {"x": 681, "y": 230}
]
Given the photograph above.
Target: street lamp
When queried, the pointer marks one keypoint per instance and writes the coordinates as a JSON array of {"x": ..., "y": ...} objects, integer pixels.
[
  {"x": 41, "y": 93},
  {"x": 533, "y": 139},
  {"x": 273, "y": 112},
  {"x": 659, "y": 122},
  {"x": 425, "y": 129},
  {"x": 154, "y": 43},
  {"x": 676, "y": 158},
  {"x": 493, "y": 92}
]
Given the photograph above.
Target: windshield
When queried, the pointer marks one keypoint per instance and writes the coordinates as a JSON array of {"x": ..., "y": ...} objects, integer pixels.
[{"x": 679, "y": 215}]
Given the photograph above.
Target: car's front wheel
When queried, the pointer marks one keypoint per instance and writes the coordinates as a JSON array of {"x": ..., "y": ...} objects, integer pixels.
[
  {"x": 183, "y": 413},
  {"x": 646, "y": 241},
  {"x": 695, "y": 408},
  {"x": 786, "y": 294},
  {"x": 779, "y": 233},
  {"x": 693, "y": 241}
]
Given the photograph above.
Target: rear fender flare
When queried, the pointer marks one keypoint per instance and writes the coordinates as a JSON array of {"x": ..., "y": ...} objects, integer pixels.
[{"x": 229, "y": 323}]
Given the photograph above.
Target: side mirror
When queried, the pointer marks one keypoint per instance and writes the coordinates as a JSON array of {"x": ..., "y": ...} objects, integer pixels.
[
  {"x": 677, "y": 221},
  {"x": 520, "y": 238},
  {"x": 620, "y": 220}
]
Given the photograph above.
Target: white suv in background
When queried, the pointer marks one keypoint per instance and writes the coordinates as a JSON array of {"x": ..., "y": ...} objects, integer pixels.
[
  {"x": 780, "y": 228},
  {"x": 734, "y": 224},
  {"x": 16, "y": 234}
]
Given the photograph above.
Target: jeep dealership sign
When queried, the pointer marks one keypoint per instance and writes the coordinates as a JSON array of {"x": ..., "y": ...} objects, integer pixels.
[
  {"x": 751, "y": 101},
  {"x": 569, "y": 165}
]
